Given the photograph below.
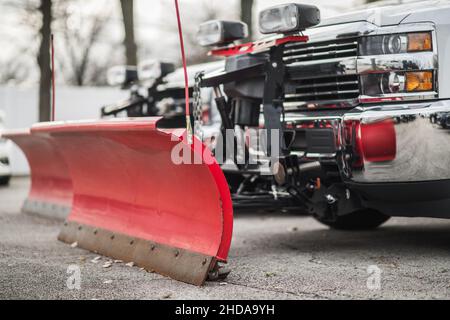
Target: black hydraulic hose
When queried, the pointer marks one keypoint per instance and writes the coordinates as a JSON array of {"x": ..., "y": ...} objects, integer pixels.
[{"x": 221, "y": 103}]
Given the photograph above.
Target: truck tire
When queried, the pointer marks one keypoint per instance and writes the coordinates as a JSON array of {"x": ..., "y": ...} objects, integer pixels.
[
  {"x": 365, "y": 219},
  {"x": 4, "y": 181}
]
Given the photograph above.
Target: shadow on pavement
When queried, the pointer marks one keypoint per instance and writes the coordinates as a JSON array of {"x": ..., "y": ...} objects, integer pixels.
[{"x": 395, "y": 238}]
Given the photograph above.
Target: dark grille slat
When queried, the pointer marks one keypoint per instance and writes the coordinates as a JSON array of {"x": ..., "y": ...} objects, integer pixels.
[
  {"x": 318, "y": 51},
  {"x": 319, "y": 48},
  {"x": 327, "y": 84},
  {"x": 320, "y": 56},
  {"x": 322, "y": 93}
]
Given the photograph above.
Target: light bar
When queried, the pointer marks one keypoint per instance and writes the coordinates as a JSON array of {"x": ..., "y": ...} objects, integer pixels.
[
  {"x": 288, "y": 18},
  {"x": 217, "y": 32}
]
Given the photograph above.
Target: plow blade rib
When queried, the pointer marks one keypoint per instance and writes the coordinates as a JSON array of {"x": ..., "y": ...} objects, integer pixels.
[
  {"x": 132, "y": 202},
  {"x": 51, "y": 186}
]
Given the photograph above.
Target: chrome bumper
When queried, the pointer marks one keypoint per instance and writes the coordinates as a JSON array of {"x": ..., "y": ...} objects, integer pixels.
[{"x": 422, "y": 146}]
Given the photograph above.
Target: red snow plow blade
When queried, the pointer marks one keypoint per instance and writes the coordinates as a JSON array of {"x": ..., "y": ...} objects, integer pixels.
[
  {"x": 132, "y": 202},
  {"x": 51, "y": 187}
]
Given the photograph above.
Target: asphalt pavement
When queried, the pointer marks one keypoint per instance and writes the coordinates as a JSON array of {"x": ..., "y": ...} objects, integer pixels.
[{"x": 274, "y": 256}]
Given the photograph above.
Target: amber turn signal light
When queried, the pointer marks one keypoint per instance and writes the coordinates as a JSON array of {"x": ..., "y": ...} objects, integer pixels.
[
  {"x": 419, "y": 81},
  {"x": 419, "y": 42}
]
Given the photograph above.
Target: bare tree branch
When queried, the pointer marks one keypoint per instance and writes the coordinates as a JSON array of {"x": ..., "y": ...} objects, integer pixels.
[{"x": 79, "y": 44}]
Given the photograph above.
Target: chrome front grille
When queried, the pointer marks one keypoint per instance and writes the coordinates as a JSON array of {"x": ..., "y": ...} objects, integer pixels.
[
  {"x": 321, "y": 74},
  {"x": 324, "y": 89},
  {"x": 299, "y": 52}
]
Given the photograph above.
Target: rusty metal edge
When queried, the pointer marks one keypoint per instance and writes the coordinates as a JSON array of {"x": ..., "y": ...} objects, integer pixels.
[
  {"x": 179, "y": 264},
  {"x": 46, "y": 209}
]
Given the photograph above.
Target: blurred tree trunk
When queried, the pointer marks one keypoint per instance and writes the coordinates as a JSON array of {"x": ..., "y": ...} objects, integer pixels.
[
  {"x": 43, "y": 58},
  {"x": 247, "y": 15},
  {"x": 128, "y": 23}
]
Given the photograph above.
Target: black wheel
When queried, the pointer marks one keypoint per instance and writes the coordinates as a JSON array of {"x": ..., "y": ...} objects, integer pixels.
[
  {"x": 4, "y": 181},
  {"x": 365, "y": 219}
]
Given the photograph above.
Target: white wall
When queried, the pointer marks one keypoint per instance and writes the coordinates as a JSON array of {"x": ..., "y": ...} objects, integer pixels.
[{"x": 72, "y": 103}]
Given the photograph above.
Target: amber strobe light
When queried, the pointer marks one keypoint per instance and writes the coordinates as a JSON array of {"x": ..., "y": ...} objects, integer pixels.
[
  {"x": 419, "y": 42},
  {"x": 419, "y": 81}
]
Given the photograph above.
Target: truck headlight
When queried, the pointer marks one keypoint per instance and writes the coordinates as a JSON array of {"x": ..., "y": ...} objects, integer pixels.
[
  {"x": 395, "y": 43},
  {"x": 397, "y": 82},
  {"x": 419, "y": 81},
  {"x": 217, "y": 32},
  {"x": 288, "y": 18}
]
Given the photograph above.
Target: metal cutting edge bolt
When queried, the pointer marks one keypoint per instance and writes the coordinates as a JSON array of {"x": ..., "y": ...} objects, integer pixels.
[{"x": 330, "y": 199}]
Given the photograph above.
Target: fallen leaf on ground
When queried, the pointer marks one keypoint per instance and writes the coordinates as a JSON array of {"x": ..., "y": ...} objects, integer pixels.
[
  {"x": 130, "y": 264},
  {"x": 314, "y": 260},
  {"x": 107, "y": 264},
  {"x": 74, "y": 245},
  {"x": 96, "y": 259}
]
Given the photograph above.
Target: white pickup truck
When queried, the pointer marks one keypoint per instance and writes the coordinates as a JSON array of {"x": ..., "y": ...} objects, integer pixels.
[{"x": 361, "y": 100}]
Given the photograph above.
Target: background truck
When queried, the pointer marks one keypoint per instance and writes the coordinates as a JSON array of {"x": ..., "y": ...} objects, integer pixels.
[{"x": 5, "y": 169}]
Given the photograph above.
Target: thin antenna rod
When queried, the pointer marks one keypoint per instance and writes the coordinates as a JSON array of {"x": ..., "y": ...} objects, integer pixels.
[
  {"x": 53, "y": 79},
  {"x": 186, "y": 79}
]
